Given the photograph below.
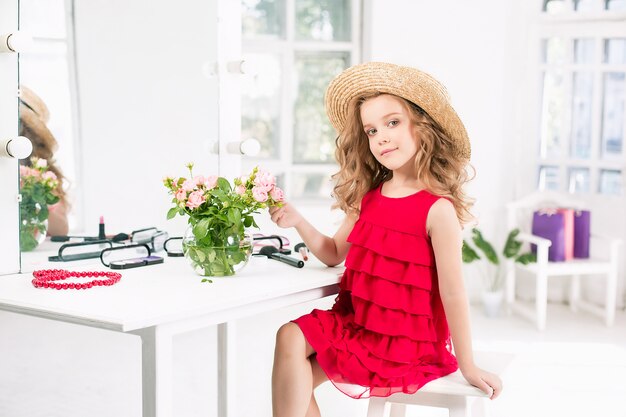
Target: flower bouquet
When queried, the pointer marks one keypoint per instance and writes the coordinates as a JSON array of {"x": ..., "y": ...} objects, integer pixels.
[
  {"x": 216, "y": 242},
  {"x": 37, "y": 187}
]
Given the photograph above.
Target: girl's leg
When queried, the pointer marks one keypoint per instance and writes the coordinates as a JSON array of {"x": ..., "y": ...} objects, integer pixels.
[
  {"x": 319, "y": 376},
  {"x": 292, "y": 376}
]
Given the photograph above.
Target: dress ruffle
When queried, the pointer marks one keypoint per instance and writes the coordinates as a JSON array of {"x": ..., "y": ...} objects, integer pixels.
[
  {"x": 392, "y": 243},
  {"x": 386, "y": 332},
  {"x": 364, "y": 260},
  {"x": 388, "y": 294},
  {"x": 350, "y": 356}
]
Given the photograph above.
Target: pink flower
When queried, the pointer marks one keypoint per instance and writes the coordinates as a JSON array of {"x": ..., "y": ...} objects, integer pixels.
[
  {"x": 277, "y": 194},
  {"x": 198, "y": 179},
  {"x": 244, "y": 179},
  {"x": 41, "y": 163},
  {"x": 264, "y": 180},
  {"x": 211, "y": 182},
  {"x": 195, "y": 199},
  {"x": 181, "y": 194},
  {"x": 189, "y": 185},
  {"x": 240, "y": 189},
  {"x": 259, "y": 194},
  {"x": 29, "y": 172},
  {"x": 49, "y": 175}
]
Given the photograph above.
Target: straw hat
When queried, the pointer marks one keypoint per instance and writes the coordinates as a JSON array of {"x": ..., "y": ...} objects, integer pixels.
[{"x": 406, "y": 82}]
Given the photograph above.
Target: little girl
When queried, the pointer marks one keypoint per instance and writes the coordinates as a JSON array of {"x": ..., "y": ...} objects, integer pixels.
[{"x": 402, "y": 152}]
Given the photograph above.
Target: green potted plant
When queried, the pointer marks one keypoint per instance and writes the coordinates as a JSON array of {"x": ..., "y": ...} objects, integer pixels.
[
  {"x": 216, "y": 242},
  {"x": 493, "y": 270}
]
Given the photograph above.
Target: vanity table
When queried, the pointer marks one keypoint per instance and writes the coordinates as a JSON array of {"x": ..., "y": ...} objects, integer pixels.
[{"x": 161, "y": 301}]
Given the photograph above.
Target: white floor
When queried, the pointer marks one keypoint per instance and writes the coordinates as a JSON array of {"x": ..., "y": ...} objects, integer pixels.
[{"x": 576, "y": 367}]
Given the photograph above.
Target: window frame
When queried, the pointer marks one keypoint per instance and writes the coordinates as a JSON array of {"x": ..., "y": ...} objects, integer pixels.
[
  {"x": 287, "y": 49},
  {"x": 569, "y": 25}
]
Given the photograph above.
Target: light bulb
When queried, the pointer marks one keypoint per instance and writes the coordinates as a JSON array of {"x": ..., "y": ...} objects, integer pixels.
[
  {"x": 248, "y": 147},
  {"x": 16, "y": 42},
  {"x": 19, "y": 147}
]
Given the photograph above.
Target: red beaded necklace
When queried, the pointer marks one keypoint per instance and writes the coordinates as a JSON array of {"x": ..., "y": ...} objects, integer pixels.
[{"x": 44, "y": 278}]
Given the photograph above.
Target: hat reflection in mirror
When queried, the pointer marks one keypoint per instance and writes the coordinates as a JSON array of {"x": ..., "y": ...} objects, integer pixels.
[{"x": 33, "y": 119}]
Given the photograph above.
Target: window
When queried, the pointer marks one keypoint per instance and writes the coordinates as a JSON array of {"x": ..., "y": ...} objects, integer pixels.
[
  {"x": 295, "y": 47},
  {"x": 583, "y": 95}
]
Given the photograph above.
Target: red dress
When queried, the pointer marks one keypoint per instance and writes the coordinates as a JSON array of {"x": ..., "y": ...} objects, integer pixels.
[{"x": 387, "y": 331}]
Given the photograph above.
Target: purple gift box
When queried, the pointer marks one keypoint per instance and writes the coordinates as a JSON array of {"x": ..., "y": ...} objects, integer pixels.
[
  {"x": 582, "y": 229},
  {"x": 550, "y": 225}
]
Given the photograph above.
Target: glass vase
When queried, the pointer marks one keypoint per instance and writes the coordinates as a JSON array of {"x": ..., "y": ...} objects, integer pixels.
[
  {"x": 225, "y": 259},
  {"x": 32, "y": 233}
]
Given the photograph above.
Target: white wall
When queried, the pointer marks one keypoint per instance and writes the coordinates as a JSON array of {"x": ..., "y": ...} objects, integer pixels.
[{"x": 468, "y": 46}]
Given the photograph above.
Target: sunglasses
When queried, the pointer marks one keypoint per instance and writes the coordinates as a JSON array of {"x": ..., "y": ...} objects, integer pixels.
[
  {"x": 279, "y": 242},
  {"x": 151, "y": 236}
]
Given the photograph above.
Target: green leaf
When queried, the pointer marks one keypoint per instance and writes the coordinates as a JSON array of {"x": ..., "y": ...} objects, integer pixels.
[
  {"x": 201, "y": 228},
  {"x": 512, "y": 245},
  {"x": 43, "y": 213},
  {"x": 526, "y": 258},
  {"x": 200, "y": 254},
  {"x": 223, "y": 184},
  {"x": 469, "y": 255},
  {"x": 27, "y": 241},
  {"x": 485, "y": 246},
  {"x": 172, "y": 212},
  {"x": 236, "y": 216}
]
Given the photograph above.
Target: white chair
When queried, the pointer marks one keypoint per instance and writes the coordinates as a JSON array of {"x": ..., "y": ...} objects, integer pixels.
[
  {"x": 603, "y": 261},
  {"x": 452, "y": 392}
]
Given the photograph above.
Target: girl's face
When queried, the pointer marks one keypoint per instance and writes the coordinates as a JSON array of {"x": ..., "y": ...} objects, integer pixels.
[{"x": 390, "y": 132}]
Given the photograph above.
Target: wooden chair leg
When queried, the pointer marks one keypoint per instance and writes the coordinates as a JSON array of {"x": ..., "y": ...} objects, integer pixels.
[
  {"x": 480, "y": 408},
  {"x": 541, "y": 300},
  {"x": 376, "y": 407},
  {"x": 398, "y": 410},
  {"x": 611, "y": 296},
  {"x": 574, "y": 293},
  {"x": 459, "y": 408}
]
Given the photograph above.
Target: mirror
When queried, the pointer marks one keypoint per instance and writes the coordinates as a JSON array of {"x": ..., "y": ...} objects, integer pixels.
[{"x": 130, "y": 99}]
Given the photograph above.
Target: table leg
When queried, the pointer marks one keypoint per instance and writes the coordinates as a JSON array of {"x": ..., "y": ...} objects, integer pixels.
[
  {"x": 156, "y": 371},
  {"x": 226, "y": 369}
]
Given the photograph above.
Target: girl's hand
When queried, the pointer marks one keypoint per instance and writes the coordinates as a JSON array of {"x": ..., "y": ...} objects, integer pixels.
[
  {"x": 486, "y": 381},
  {"x": 285, "y": 216}
]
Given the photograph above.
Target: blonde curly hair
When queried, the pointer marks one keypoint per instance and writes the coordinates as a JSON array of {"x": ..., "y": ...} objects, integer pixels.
[{"x": 437, "y": 163}]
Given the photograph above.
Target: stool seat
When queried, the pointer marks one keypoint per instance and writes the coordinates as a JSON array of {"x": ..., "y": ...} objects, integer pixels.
[{"x": 451, "y": 391}]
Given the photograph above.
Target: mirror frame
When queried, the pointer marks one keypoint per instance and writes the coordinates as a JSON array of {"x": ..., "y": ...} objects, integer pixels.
[{"x": 9, "y": 202}]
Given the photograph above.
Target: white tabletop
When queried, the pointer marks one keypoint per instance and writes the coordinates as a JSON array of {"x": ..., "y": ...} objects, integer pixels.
[{"x": 164, "y": 293}]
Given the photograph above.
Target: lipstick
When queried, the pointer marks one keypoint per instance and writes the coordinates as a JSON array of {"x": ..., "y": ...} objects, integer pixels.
[
  {"x": 302, "y": 250},
  {"x": 101, "y": 234}
]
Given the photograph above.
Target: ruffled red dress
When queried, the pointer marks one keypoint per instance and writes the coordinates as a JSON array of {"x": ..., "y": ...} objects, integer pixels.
[{"x": 387, "y": 331}]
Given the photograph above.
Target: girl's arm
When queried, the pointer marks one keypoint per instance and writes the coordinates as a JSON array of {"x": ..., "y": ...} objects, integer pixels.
[
  {"x": 445, "y": 234},
  {"x": 57, "y": 219},
  {"x": 330, "y": 250}
]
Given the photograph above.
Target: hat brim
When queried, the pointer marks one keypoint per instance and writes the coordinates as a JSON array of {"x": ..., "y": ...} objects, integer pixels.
[{"x": 409, "y": 83}]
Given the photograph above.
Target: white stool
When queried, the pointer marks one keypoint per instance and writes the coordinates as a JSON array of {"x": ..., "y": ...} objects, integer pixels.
[{"x": 452, "y": 391}]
